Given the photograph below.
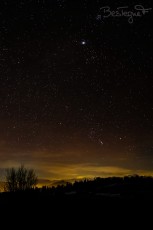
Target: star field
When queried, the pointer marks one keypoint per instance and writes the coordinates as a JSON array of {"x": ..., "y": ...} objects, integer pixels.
[{"x": 75, "y": 91}]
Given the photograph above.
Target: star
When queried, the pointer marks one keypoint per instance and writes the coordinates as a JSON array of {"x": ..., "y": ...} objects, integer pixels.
[
  {"x": 83, "y": 42},
  {"x": 101, "y": 142}
]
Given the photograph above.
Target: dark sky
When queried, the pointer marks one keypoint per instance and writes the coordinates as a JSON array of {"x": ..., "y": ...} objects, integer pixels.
[{"x": 76, "y": 89}]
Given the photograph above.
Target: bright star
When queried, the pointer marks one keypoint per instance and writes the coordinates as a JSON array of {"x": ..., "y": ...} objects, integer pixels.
[{"x": 83, "y": 42}]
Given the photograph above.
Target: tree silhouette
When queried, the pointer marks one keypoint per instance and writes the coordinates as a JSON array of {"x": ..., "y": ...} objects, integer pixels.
[{"x": 20, "y": 179}]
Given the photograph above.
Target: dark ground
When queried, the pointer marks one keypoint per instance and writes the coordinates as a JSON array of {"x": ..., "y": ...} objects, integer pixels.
[{"x": 49, "y": 208}]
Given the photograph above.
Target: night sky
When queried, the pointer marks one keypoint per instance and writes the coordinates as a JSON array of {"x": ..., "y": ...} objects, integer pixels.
[{"x": 76, "y": 89}]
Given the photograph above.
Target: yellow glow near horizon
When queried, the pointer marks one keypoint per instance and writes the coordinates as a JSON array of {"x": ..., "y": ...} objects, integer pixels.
[{"x": 63, "y": 172}]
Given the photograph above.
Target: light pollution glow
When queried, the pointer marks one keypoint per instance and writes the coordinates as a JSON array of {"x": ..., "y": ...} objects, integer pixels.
[
  {"x": 60, "y": 171},
  {"x": 66, "y": 163}
]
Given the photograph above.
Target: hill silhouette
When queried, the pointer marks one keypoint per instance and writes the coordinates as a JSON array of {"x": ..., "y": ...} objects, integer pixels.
[
  {"x": 128, "y": 187},
  {"x": 100, "y": 198}
]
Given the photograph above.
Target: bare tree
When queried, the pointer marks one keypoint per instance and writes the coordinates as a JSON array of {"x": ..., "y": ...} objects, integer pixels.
[
  {"x": 31, "y": 179},
  {"x": 20, "y": 179},
  {"x": 11, "y": 180}
]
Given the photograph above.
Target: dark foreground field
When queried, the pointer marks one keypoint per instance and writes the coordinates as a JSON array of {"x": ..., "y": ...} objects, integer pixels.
[{"x": 117, "y": 201}]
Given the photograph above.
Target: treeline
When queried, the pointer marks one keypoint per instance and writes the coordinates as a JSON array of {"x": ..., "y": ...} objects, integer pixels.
[
  {"x": 111, "y": 186},
  {"x": 23, "y": 180},
  {"x": 101, "y": 189}
]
